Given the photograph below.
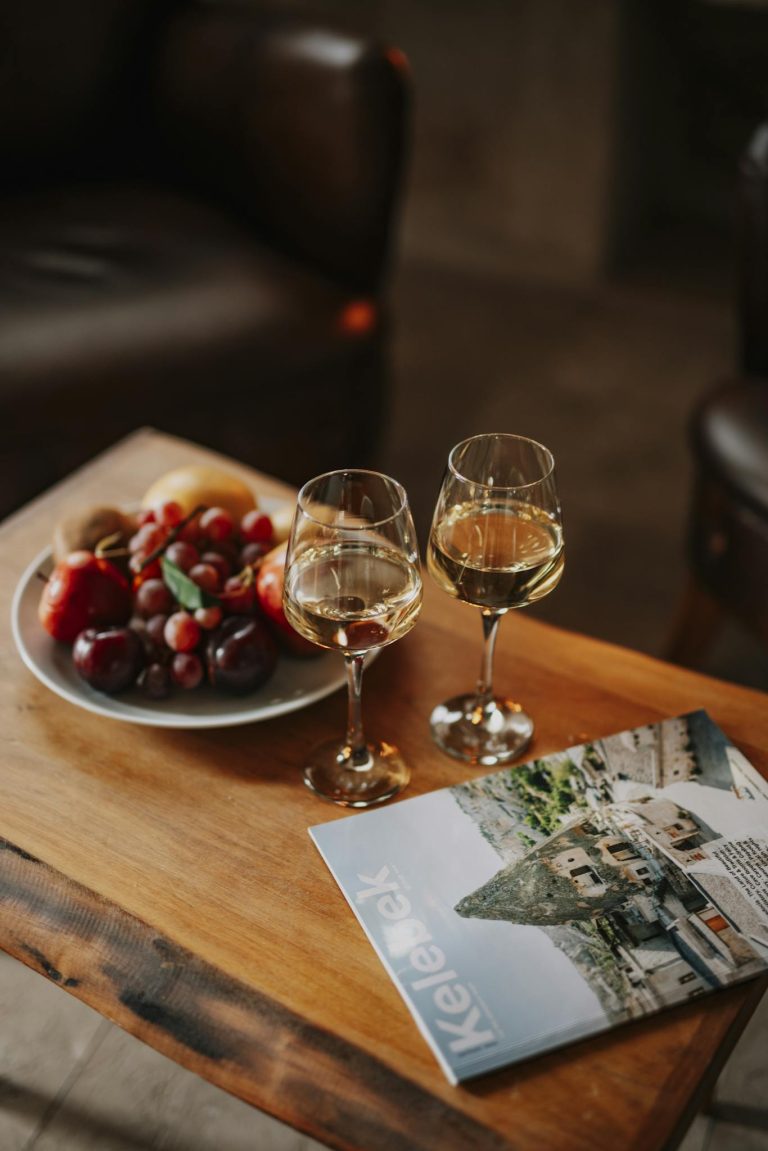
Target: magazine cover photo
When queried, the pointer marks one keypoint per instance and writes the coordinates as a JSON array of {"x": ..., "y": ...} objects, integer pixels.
[{"x": 564, "y": 896}]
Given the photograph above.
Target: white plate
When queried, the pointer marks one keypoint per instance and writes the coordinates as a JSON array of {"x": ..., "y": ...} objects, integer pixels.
[{"x": 296, "y": 683}]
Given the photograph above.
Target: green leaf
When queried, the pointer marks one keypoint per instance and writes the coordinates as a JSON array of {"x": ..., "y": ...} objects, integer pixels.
[{"x": 185, "y": 590}]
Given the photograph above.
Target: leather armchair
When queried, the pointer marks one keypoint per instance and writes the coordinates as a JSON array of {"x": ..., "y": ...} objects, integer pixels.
[
  {"x": 196, "y": 210},
  {"x": 728, "y": 524}
]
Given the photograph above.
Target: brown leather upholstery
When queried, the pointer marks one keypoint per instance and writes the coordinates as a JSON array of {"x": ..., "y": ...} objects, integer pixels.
[
  {"x": 729, "y": 519},
  {"x": 753, "y": 217},
  {"x": 728, "y": 528},
  {"x": 198, "y": 238},
  {"x": 730, "y": 438},
  {"x": 257, "y": 111}
]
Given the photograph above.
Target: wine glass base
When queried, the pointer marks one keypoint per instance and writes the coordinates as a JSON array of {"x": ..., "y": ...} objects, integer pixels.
[
  {"x": 329, "y": 775},
  {"x": 483, "y": 734}
]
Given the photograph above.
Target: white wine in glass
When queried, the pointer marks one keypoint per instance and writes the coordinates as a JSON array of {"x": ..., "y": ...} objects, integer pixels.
[
  {"x": 353, "y": 583},
  {"x": 496, "y": 543}
]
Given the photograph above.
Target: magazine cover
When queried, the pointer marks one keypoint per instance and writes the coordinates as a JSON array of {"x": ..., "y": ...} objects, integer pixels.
[{"x": 558, "y": 898}]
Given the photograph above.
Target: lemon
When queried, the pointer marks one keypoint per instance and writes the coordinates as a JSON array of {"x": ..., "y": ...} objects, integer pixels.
[{"x": 200, "y": 485}]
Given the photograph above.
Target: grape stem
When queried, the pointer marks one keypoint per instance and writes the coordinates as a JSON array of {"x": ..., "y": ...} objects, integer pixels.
[{"x": 107, "y": 549}]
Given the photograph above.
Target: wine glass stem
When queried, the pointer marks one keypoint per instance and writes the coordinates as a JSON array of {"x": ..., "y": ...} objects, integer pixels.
[
  {"x": 356, "y": 753},
  {"x": 491, "y": 620}
]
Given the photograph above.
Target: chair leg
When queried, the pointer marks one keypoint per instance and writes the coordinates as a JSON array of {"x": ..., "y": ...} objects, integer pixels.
[{"x": 695, "y": 628}]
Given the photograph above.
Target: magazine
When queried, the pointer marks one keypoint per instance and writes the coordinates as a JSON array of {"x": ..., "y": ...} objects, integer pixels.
[{"x": 558, "y": 898}]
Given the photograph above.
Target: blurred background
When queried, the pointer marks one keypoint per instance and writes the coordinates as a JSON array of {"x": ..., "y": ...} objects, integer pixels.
[
  {"x": 308, "y": 255},
  {"x": 569, "y": 269}
]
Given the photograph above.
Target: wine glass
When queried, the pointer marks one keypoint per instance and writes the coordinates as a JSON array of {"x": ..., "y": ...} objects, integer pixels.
[
  {"x": 496, "y": 542},
  {"x": 353, "y": 583}
]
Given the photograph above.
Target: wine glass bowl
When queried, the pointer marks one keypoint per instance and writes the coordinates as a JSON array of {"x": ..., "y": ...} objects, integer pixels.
[
  {"x": 352, "y": 584},
  {"x": 496, "y": 543}
]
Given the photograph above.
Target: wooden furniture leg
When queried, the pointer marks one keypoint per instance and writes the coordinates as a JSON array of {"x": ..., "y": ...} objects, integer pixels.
[{"x": 698, "y": 622}]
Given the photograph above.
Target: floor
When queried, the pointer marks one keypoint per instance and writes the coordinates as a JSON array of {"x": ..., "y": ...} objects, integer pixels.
[{"x": 606, "y": 377}]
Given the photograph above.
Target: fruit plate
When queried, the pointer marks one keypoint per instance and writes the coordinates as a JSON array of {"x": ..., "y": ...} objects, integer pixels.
[{"x": 296, "y": 683}]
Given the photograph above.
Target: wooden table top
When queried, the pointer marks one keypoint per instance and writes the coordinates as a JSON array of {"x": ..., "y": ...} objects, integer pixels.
[{"x": 166, "y": 878}]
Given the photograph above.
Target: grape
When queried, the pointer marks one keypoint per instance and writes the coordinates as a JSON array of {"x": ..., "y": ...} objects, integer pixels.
[
  {"x": 153, "y": 598},
  {"x": 148, "y": 538},
  {"x": 238, "y": 598},
  {"x": 155, "y": 681},
  {"x": 139, "y": 627},
  {"x": 182, "y": 631},
  {"x": 156, "y": 630},
  {"x": 253, "y": 552},
  {"x": 169, "y": 513},
  {"x": 187, "y": 670},
  {"x": 205, "y": 576},
  {"x": 218, "y": 561},
  {"x": 184, "y": 555},
  {"x": 142, "y": 570},
  {"x": 208, "y": 617},
  {"x": 108, "y": 658},
  {"x": 241, "y": 654},
  {"x": 217, "y": 524},
  {"x": 256, "y": 528},
  {"x": 190, "y": 533}
]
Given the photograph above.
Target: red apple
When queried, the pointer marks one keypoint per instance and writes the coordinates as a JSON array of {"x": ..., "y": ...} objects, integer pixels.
[
  {"x": 269, "y": 595},
  {"x": 83, "y": 591}
]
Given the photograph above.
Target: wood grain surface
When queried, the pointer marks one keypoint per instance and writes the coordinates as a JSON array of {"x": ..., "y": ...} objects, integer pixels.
[{"x": 167, "y": 879}]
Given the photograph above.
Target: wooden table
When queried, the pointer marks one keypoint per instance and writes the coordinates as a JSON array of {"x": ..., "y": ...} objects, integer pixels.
[{"x": 166, "y": 878}]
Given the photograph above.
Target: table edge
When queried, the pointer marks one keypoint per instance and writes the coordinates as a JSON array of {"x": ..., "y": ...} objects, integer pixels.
[{"x": 210, "y": 1022}]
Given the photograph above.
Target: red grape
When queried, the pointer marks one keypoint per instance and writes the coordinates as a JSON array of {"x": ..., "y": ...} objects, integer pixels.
[
  {"x": 183, "y": 555},
  {"x": 218, "y": 561},
  {"x": 190, "y": 533},
  {"x": 155, "y": 681},
  {"x": 256, "y": 528},
  {"x": 208, "y": 617},
  {"x": 148, "y": 538},
  {"x": 152, "y": 598},
  {"x": 217, "y": 524},
  {"x": 182, "y": 631},
  {"x": 156, "y": 629},
  {"x": 205, "y": 576},
  {"x": 187, "y": 670},
  {"x": 252, "y": 553},
  {"x": 238, "y": 598},
  {"x": 169, "y": 513},
  {"x": 142, "y": 571}
]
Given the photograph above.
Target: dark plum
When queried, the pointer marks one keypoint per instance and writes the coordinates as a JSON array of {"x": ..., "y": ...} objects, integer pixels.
[
  {"x": 241, "y": 654},
  {"x": 108, "y": 658}
]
